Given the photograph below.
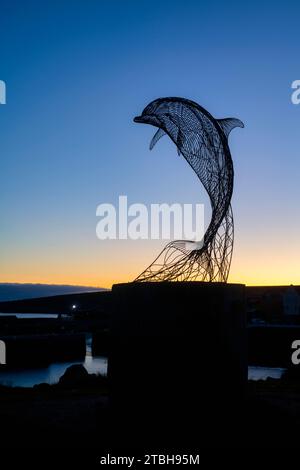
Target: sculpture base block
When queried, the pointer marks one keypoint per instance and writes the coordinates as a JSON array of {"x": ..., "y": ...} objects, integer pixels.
[{"x": 177, "y": 362}]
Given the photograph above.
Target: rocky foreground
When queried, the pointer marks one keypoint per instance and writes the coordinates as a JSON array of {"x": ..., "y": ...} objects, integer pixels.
[
  {"x": 74, "y": 414},
  {"x": 67, "y": 414}
]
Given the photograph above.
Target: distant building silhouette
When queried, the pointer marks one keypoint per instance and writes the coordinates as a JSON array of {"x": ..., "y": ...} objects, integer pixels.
[
  {"x": 273, "y": 304},
  {"x": 291, "y": 301}
]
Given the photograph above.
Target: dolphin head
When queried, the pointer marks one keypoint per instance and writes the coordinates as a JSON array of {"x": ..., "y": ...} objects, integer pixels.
[
  {"x": 153, "y": 114},
  {"x": 165, "y": 114}
]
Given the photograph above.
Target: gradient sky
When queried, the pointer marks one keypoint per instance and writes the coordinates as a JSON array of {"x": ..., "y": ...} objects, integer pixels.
[{"x": 77, "y": 72}]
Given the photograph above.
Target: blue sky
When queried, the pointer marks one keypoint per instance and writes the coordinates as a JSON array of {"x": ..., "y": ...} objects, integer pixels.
[{"x": 78, "y": 72}]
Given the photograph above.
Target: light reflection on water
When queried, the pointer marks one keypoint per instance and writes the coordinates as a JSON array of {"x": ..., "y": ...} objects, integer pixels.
[
  {"x": 262, "y": 373},
  {"x": 96, "y": 365},
  {"x": 52, "y": 373}
]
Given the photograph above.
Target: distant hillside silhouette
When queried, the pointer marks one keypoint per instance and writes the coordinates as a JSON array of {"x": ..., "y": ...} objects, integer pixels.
[{"x": 14, "y": 291}]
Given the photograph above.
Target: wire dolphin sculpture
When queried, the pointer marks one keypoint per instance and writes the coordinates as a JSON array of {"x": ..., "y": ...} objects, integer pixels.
[{"x": 203, "y": 141}]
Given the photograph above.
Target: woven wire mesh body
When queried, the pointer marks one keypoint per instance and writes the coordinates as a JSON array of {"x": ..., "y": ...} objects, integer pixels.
[{"x": 203, "y": 141}]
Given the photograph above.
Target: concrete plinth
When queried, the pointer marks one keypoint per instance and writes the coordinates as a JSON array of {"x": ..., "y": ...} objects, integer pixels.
[{"x": 178, "y": 360}]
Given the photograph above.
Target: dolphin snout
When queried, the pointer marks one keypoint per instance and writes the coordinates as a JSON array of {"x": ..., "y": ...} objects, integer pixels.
[{"x": 147, "y": 119}]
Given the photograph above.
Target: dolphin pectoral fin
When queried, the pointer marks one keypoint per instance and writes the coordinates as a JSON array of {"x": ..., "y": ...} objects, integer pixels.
[
  {"x": 228, "y": 124},
  {"x": 158, "y": 135}
]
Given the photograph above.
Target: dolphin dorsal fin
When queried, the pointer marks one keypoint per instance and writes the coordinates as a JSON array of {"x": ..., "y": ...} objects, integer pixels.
[
  {"x": 228, "y": 124},
  {"x": 158, "y": 135}
]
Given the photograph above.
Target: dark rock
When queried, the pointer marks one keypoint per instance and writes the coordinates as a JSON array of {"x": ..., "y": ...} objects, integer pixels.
[
  {"x": 43, "y": 387},
  {"x": 74, "y": 375}
]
